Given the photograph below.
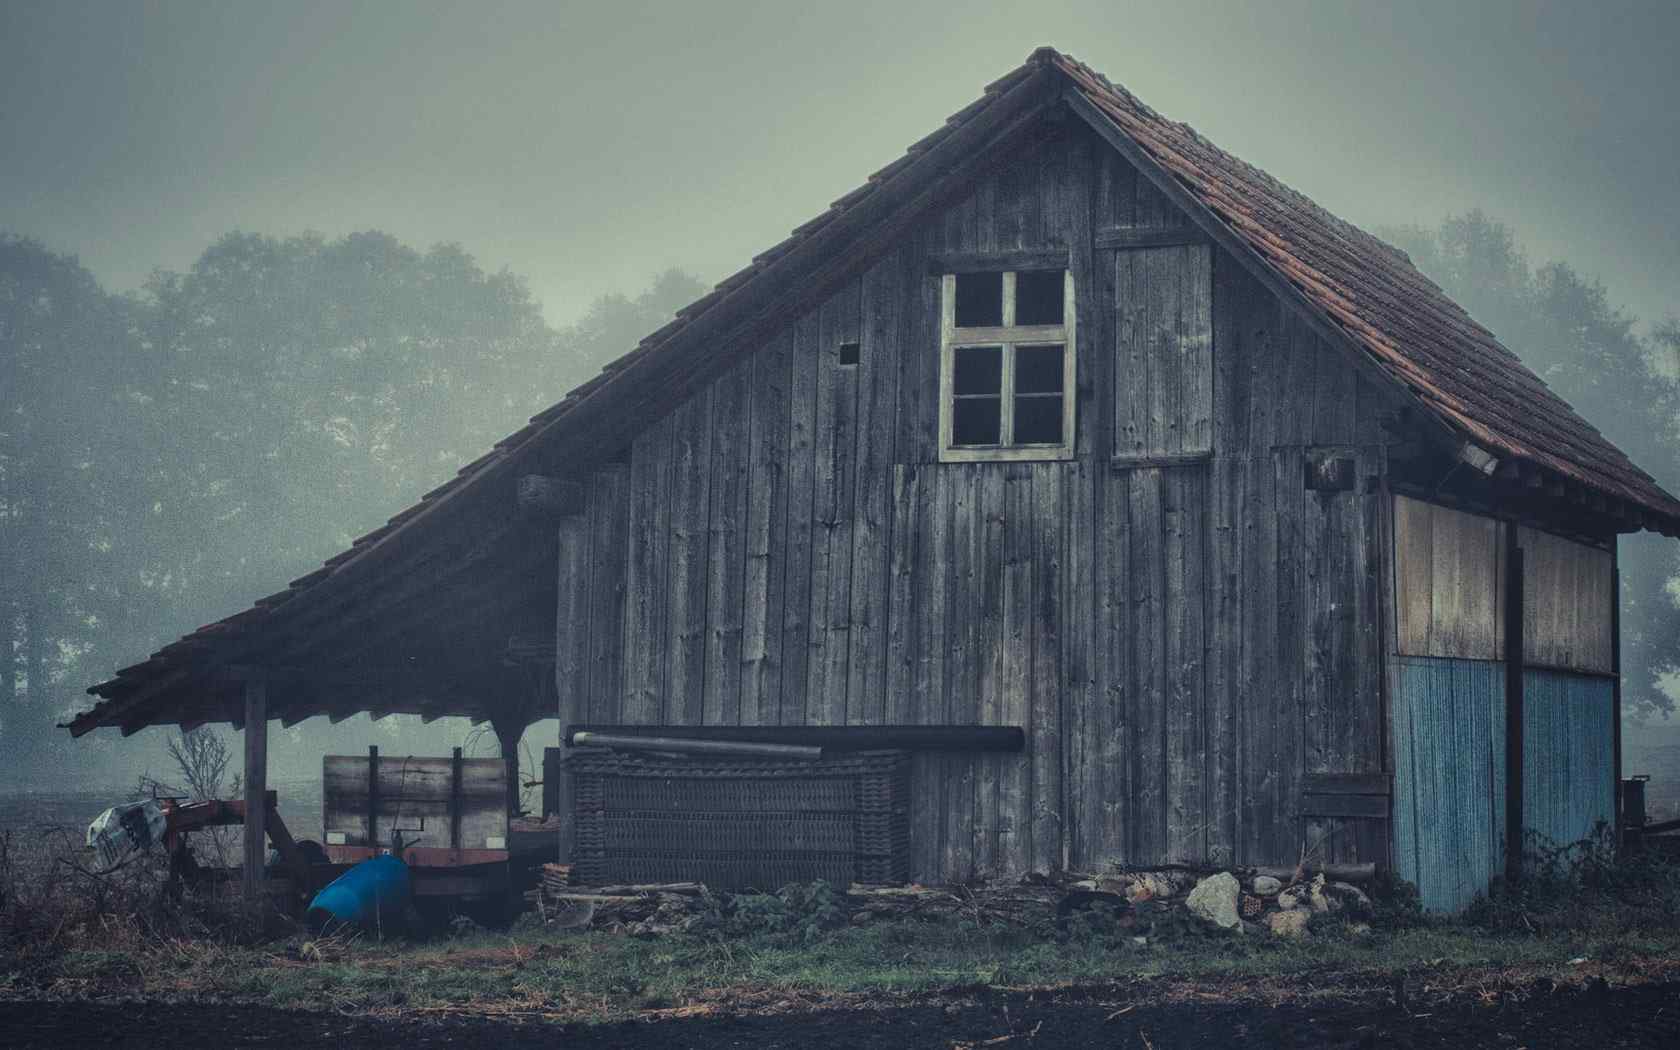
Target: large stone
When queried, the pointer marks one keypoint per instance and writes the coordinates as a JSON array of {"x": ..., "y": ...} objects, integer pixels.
[
  {"x": 1290, "y": 924},
  {"x": 1266, "y": 886},
  {"x": 1215, "y": 899},
  {"x": 1351, "y": 897}
]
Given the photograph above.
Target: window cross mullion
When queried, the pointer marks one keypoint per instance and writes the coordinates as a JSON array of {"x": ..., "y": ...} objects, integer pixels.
[{"x": 1006, "y": 418}]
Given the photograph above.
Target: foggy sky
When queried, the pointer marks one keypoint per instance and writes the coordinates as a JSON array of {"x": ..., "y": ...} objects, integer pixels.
[{"x": 586, "y": 146}]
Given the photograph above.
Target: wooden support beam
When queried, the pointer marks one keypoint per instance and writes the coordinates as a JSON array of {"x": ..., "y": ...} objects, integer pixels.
[
  {"x": 988, "y": 262},
  {"x": 256, "y": 789},
  {"x": 548, "y": 499}
]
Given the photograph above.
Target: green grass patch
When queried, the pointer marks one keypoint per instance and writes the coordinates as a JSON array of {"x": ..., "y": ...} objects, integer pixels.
[{"x": 606, "y": 976}]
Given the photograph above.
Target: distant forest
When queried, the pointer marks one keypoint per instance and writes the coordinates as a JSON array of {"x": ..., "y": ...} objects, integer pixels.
[{"x": 168, "y": 456}]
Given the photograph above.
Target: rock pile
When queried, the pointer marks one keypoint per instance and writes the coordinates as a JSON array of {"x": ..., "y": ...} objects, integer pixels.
[{"x": 1238, "y": 900}]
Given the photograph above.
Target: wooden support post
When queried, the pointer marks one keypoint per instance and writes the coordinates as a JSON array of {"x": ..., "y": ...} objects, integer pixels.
[
  {"x": 1513, "y": 704},
  {"x": 509, "y": 730},
  {"x": 256, "y": 789},
  {"x": 373, "y": 797},
  {"x": 455, "y": 769},
  {"x": 1616, "y": 699}
]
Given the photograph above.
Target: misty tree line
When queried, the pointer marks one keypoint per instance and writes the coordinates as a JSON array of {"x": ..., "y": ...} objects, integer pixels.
[
  {"x": 169, "y": 455},
  {"x": 1623, "y": 381}
]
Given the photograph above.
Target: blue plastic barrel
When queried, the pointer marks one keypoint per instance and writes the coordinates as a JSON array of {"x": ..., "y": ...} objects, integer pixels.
[{"x": 374, "y": 891}]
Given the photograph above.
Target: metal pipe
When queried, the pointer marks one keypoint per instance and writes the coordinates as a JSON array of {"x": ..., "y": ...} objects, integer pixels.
[
  {"x": 833, "y": 738},
  {"x": 696, "y": 747}
]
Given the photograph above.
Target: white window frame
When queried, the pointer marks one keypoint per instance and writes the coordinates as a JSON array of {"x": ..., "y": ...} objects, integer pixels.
[{"x": 1008, "y": 336}]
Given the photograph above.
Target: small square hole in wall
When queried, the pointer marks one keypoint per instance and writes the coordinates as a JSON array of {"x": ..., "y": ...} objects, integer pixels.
[{"x": 848, "y": 354}]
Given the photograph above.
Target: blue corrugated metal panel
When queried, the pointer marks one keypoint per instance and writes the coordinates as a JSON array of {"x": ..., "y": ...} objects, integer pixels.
[
  {"x": 1568, "y": 749},
  {"x": 1449, "y": 777}
]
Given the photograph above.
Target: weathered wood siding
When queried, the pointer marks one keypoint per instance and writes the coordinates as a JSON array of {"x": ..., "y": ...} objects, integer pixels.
[
  {"x": 1449, "y": 582},
  {"x": 1449, "y": 700},
  {"x": 1184, "y": 632},
  {"x": 1569, "y": 702},
  {"x": 415, "y": 799},
  {"x": 1568, "y": 591}
]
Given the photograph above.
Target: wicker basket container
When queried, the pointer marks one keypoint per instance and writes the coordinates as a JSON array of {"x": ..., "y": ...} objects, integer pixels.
[{"x": 739, "y": 824}]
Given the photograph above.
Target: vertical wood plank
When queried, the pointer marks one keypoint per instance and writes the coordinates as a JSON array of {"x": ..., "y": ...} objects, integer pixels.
[
  {"x": 991, "y": 646},
  {"x": 646, "y": 578},
  {"x": 572, "y": 641},
  {"x": 1196, "y": 348},
  {"x": 929, "y": 694},
  {"x": 918, "y": 354},
  {"x": 1226, "y": 580},
  {"x": 1113, "y": 733},
  {"x": 1257, "y": 731},
  {"x": 962, "y": 674},
  {"x": 1015, "y": 808},
  {"x": 1089, "y": 288},
  {"x": 885, "y": 287},
  {"x": 1131, "y": 356},
  {"x": 685, "y": 674},
  {"x": 1414, "y": 560},
  {"x": 726, "y": 536},
  {"x": 767, "y": 546},
  {"x": 1046, "y": 546},
  {"x": 834, "y": 504},
  {"x": 609, "y": 546},
  {"x": 903, "y": 594},
  {"x": 1290, "y": 485},
  {"x": 798, "y": 621},
  {"x": 1185, "y": 718},
  {"x": 1080, "y": 796},
  {"x": 1148, "y": 799}
]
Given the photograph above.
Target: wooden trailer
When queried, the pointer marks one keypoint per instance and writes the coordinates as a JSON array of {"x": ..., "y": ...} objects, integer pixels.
[{"x": 1069, "y": 421}]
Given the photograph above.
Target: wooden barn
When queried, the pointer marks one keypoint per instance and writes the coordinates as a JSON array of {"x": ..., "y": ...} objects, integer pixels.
[{"x": 1066, "y": 420}]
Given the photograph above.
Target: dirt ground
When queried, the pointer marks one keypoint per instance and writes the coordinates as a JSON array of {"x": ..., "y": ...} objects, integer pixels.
[{"x": 1533, "y": 1017}]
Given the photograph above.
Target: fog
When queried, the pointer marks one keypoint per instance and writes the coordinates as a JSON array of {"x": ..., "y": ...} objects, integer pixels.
[{"x": 582, "y": 150}]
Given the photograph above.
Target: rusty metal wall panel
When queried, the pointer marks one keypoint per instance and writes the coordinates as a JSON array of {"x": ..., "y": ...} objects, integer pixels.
[
  {"x": 1449, "y": 777},
  {"x": 1568, "y": 754}
]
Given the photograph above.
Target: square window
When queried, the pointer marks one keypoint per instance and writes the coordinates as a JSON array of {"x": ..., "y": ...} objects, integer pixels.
[
  {"x": 977, "y": 421},
  {"x": 979, "y": 300},
  {"x": 1038, "y": 419},
  {"x": 978, "y": 370},
  {"x": 1038, "y": 370},
  {"x": 1038, "y": 297}
]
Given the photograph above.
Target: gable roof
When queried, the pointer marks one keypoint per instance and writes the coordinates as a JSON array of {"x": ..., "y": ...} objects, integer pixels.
[{"x": 1364, "y": 292}]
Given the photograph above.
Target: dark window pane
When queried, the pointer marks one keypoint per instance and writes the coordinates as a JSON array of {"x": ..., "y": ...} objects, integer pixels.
[
  {"x": 1038, "y": 297},
  {"x": 1038, "y": 370},
  {"x": 979, "y": 300},
  {"x": 848, "y": 353},
  {"x": 978, "y": 370},
  {"x": 1038, "y": 421},
  {"x": 975, "y": 420}
]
